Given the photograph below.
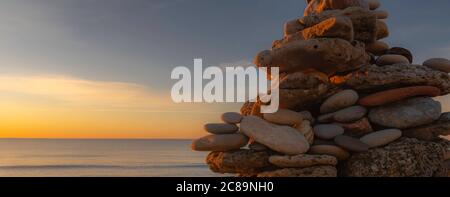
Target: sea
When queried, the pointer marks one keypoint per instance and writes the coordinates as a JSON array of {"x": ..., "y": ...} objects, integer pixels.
[{"x": 100, "y": 158}]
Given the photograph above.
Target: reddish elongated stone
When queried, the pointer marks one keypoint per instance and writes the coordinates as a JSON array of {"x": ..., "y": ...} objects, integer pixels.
[{"x": 394, "y": 95}]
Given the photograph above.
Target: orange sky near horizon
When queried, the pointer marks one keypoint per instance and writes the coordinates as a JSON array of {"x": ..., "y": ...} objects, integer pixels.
[{"x": 68, "y": 107}]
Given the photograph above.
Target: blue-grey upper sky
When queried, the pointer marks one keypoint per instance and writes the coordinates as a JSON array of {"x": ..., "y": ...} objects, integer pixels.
[{"x": 140, "y": 41}]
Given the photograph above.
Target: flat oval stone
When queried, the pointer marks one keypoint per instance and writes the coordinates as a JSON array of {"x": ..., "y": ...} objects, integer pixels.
[
  {"x": 351, "y": 144},
  {"x": 382, "y": 30},
  {"x": 326, "y": 118},
  {"x": 377, "y": 48},
  {"x": 335, "y": 151},
  {"x": 283, "y": 139},
  {"x": 350, "y": 114},
  {"x": 221, "y": 128},
  {"x": 220, "y": 142},
  {"x": 401, "y": 51},
  {"x": 440, "y": 64},
  {"x": 391, "y": 59},
  {"x": 328, "y": 131},
  {"x": 232, "y": 117},
  {"x": 339, "y": 101},
  {"x": 284, "y": 117},
  {"x": 302, "y": 161},
  {"x": 407, "y": 113},
  {"x": 381, "y": 138},
  {"x": 394, "y": 95},
  {"x": 373, "y": 4},
  {"x": 381, "y": 14}
]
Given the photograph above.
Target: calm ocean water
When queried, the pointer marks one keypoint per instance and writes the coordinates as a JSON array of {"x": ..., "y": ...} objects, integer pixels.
[{"x": 86, "y": 158}]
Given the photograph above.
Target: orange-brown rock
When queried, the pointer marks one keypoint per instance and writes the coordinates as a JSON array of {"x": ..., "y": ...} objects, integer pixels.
[
  {"x": 373, "y": 4},
  {"x": 318, "y": 6},
  {"x": 335, "y": 27},
  {"x": 364, "y": 22},
  {"x": 394, "y": 95},
  {"x": 246, "y": 109},
  {"x": 292, "y": 27},
  {"x": 327, "y": 55},
  {"x": 375, "y": 78},
  {"x": 382, "y": 30},
  {"x": 240, "y": 161},
  {"x": 381, "y": 14},
  {"x": 256, "y": 110}
]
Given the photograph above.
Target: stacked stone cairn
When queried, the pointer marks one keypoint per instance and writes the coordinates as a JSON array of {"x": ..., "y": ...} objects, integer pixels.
[{"x": 351, "y": 105}]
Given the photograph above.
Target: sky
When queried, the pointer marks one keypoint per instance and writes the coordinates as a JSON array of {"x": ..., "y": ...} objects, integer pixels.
[{"x": 101, "y": 69}]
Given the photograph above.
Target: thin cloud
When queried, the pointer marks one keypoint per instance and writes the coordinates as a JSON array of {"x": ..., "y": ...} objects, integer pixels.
[{"x": 71, "y": 92}]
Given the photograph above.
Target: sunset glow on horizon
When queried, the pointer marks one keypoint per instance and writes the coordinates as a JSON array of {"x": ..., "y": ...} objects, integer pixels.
[
  {"x": 65, "y": 107},
  {"x": 102, "y": 69}
]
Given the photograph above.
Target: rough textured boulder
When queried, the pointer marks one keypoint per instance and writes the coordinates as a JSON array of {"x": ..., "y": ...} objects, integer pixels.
[
  {"x": 318, "y": 6},
  {"x": 299, "y": 91},
  {"x": 327, "y": 55},
  {"x": 316, "y": 171},
  {"x": 374, "y": 78},
  {"x": 404, "y": 158},
  {"x": 335, "y": 27},
  {"x": 241, "y": 161},
  {"x": 302, "y": 161},
  {"x": 364, "y": 22},
  {"x": 431, "y": 132},
  {"x": 246, "y": 108}
]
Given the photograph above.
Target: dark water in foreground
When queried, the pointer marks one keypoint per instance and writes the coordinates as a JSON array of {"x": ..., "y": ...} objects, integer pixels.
[{"x": 85, "y": 158}]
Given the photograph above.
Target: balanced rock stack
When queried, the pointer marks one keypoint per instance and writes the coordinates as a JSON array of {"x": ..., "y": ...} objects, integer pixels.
[{"x": 351, "y": 105}]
